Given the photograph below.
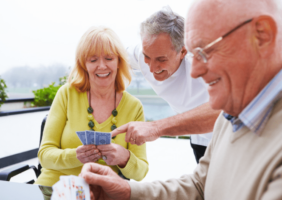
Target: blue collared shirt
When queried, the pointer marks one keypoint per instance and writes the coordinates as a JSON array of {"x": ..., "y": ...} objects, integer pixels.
[{"x": 256, "y": 114}]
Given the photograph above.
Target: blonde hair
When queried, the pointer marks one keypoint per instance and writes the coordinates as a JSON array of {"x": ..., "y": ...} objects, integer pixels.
[{"x": 95, "y": 41}]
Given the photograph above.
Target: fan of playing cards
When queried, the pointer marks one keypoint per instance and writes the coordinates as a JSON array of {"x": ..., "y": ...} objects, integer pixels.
[
  {"x": 94, "y": 137},
  {"x": 71, "y": 188}
]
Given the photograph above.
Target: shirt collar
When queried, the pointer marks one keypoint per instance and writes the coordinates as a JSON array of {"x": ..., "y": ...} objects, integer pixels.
[{"x": 257, "y": 113}]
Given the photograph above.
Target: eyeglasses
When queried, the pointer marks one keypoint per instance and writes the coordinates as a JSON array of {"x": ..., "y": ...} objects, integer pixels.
[{"x": 200, "y": 54}]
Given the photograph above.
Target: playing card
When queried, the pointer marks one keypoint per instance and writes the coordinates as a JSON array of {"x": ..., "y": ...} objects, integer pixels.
[
  {"x": 66, "y": 182},
  {"x": 80, "y": 189},
  {"x": 90, "y": 137},
  {"x": 82, "y": 137},
  {"x": 55, "y": 196},
  {"x": 102, "y": 138},
  {"x": 58, "y": 191}
]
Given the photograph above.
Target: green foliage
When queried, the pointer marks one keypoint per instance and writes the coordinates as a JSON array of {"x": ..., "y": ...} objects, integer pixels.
[
  {"x": 45, "y": 96},
  {"x": 185, "y": 137},
  {"x": 168, "y": 137},
  {"x": 63, "y": 80},
  {"x": 3, "y": 94}
]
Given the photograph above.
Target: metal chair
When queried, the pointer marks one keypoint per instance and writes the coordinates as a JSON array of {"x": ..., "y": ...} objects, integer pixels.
[{"x": 7, "y": 174}]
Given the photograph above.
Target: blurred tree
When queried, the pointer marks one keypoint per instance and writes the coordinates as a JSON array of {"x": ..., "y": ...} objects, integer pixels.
[
  {"x": 41, "y": 76},
  {"x": 3, "y": 94}
]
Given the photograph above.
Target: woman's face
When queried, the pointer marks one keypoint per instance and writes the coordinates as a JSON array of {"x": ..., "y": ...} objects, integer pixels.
[{"x": 102, "y": 70}]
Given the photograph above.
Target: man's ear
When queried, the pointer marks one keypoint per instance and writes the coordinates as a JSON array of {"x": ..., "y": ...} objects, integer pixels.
[
  {"x": 183, "y": 52},
  {"x": 265, "y": 30}
]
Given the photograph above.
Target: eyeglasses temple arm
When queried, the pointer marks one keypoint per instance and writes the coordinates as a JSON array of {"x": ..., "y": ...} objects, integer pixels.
[
  {"x": 212, "y": 43},
  {"x": 234, "y": 29},
  {"x": 226, "y": 34}
]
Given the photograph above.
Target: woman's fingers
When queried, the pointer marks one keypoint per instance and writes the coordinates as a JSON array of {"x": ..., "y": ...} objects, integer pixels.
[
  {"x": 88, "y": 153},
  {"x": 114, "y": 154},
  {"x": 91, "y": 152},
  {"x": 86, "y": 147},
  {"x": 107, "y": 147},
  {"x": 92, "y": 158}
]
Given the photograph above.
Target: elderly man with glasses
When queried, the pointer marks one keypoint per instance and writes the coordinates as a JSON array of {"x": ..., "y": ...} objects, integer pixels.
[{"x": 244, "y": 159}]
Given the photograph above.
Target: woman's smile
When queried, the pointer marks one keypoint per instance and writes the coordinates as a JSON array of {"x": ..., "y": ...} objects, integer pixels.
[{"x": 103, "y": 75}]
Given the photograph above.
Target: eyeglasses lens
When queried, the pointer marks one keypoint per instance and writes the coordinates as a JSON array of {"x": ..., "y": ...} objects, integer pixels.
[{"x": 200, "y": 55}]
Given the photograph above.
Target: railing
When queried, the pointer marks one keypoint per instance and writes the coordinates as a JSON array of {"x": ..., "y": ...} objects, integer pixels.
[
  {"x": 15, "y": 107},
  {"x": 18, "y": 100},
  {"x": 24, "y": 110}
]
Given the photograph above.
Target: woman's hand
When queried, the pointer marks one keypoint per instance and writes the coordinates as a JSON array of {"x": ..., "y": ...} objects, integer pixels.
[
  {"x": 115, "y": 154},
  {"x": 88, "y": 153}
]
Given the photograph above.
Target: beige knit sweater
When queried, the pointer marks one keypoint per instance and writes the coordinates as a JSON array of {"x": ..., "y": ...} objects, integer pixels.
[{"x": 236, "y": 166}]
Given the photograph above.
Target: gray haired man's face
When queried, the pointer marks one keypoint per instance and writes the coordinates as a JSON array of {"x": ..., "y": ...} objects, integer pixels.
[{"x": 161, "y": 57}]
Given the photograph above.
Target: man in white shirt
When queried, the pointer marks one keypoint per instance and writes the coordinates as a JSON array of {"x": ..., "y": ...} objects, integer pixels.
[{"x": 163, "y": 62}]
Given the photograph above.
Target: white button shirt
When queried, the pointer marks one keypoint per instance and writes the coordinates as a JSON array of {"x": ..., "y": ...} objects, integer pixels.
[{"x": 180, "y": 90}]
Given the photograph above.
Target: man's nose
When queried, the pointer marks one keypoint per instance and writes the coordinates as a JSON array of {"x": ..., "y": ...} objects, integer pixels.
[
  {"x": 153, "y": 66},
  {"x": 198, "y": 69}
]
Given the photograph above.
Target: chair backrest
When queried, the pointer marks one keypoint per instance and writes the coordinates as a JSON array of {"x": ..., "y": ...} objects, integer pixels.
[
  {"x": 39, "y": 167},
  {"x": 42, "y": 129}
]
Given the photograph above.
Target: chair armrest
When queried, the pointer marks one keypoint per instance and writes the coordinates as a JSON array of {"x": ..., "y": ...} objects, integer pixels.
[{"x": 7, "y": 174}]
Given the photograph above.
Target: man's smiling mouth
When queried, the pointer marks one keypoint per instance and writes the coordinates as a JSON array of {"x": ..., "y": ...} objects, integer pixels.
[
  {"x": 213, "y": 82},
  {"x": 159, "y": 72}
]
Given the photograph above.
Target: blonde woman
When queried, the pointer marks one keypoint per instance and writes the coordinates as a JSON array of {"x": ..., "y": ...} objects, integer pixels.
[{"x": 94, "y": 98}]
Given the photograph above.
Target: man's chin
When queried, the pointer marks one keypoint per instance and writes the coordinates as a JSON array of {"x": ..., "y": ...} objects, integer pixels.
[
  {"x": 161, "y": 77},
  {"x": 215, "y": 103}
]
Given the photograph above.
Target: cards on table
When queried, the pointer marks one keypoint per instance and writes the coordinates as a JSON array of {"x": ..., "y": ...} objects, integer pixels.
[
  {"x": 94, "y": 137},
  {"x": 71, "y": 188}
]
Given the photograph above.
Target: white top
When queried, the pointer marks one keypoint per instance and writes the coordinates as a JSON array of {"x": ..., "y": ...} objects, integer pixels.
[{"x": 180, "y": 90}]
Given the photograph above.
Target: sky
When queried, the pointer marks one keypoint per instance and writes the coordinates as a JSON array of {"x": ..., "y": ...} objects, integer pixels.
[{"x": 41, "y": 33}]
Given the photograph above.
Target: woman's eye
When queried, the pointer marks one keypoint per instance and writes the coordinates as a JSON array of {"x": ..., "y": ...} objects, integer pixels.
[
  {"x": 108, "y": 58},
  {"x": 93, "y": 60}
]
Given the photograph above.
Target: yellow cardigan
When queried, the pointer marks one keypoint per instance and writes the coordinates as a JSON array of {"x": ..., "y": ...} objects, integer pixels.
[{"x": 67, "y": 115}]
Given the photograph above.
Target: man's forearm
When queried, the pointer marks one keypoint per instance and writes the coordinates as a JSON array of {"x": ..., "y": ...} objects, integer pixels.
[{"x": 196, "y": 121}]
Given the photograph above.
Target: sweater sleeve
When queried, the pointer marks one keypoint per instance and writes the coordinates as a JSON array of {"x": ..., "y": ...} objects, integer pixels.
[
  {"x": 50, "y": 154},
  {"x": 274, "y": 190},
  {"x": 137, "y": 166},
  {"x": 188, "y": 187}
]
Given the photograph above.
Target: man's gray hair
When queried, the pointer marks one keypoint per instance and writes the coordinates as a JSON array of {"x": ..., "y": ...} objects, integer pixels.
[{"x": 165, "y": 21}]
